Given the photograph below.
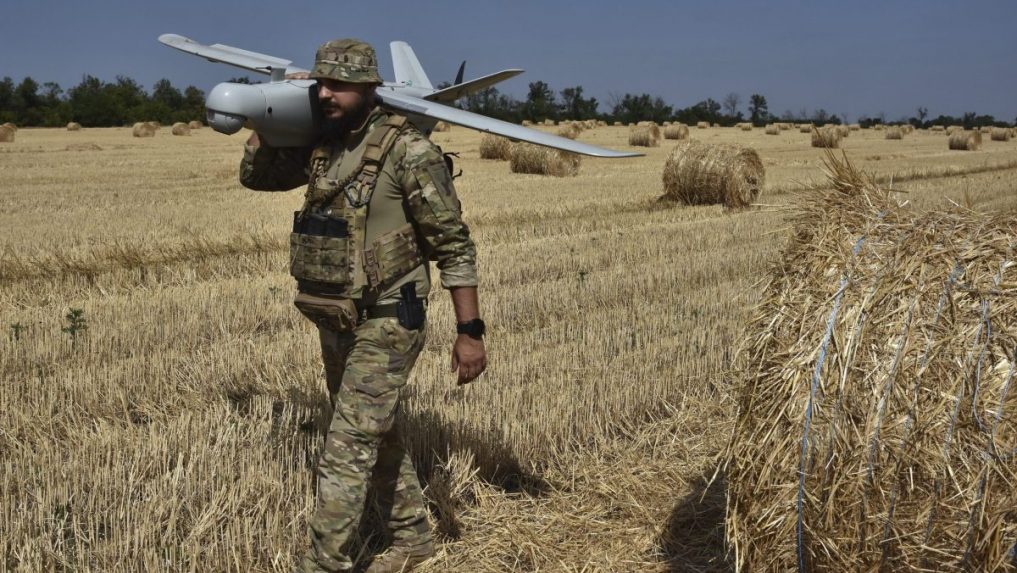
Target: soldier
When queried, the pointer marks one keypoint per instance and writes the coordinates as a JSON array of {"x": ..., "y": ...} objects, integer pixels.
[{"x": 380, "y": 203}]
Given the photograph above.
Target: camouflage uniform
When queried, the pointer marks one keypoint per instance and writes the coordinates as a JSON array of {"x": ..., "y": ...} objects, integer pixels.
[{"x": 367, "y": 366}]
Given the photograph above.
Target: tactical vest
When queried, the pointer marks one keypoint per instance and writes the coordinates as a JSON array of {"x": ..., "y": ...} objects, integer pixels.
[{"x": 328, "y": 253}]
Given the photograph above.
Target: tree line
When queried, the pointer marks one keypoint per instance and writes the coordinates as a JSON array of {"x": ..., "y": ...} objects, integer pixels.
[{"x": 96, "y": 103}]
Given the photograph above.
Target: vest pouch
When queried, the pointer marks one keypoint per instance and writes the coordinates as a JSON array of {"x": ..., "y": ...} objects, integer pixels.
[
  {"x": 335, "y": 314},
  {"x": 319, "y": 258},
  {"x": 392, "y": 255}
]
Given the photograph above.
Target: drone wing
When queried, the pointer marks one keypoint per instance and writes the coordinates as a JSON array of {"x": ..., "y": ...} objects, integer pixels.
[
  {"x": 220, "y": 53},
  {"x": 435, "y": 110}
]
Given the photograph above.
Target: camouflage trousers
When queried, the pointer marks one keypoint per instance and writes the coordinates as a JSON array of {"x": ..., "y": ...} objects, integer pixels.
[{"x": 365, "y": 370}]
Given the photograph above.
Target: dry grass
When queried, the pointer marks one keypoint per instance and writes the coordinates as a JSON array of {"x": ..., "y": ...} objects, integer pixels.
[
  {"x": 540, "y": 160},
  {"x": 894, "y": 132},
  {"x": 441, "y": 126},
  {"x": 495, "y": 147},
  {"x": 180, "y": 432},
  {"x": 643, "y": 136},
  {"x": 1000, "y": 134},
  {"x": 549, "y": 122},
  {"x": 826, "y": 137},
  {"x": 676, "y": 131},
  {"x": 697, "y": 173},
  {"x": 937, "y": 128},
  {"x": 965, "y": 140},
  {"x": 854, "y": 127},
  {"x": 892, "y": 448}
]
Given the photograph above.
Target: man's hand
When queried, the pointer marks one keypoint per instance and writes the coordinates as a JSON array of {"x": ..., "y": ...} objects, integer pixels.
[{"x": 469, "y": 357}]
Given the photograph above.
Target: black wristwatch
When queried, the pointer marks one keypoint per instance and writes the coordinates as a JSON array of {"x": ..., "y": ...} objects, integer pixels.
[{"x": 473, "y": 328}]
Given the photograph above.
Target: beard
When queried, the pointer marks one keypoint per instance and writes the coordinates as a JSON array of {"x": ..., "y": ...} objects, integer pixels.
[{"x": 337, "y": 129}]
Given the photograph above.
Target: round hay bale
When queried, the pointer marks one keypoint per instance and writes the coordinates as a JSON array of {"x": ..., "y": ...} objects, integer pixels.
[
  {"x": 195, "y": 124},
  {"x": 843, "y": 130},
  {"x": 180, "y": 128},
  {"x": 154, "y": 125},
  {"x": 805, "y": 128},
  {"x": 549, "y": 122},
  {"x": 950, "y": 129},
  {"x": 826, "y": 137},
  {"x": 1000, "y": 134},
  {"x": 601, "y": 123},
  {"x": 527, "y": 123},
  {"x": 937, "y": 128},
  {"x": 7, "y": 134},
  {"x": 676, "y": 131},
  {"x": 907, "y": 128},
  {"x": 441, "y": 126},
  {"x": 618, "y": 124},
  {"x": 875, "y": 392},
  {"x": 855, "y": 127},
  {"x": 965, "y": 140},
  {"x": 654, "y": 129},
  {"x": 986, "y": 130},
  {"x": 568, "y": 131},
  {"x": 495, "y": 147},
  {"x": 539, "y": 160},
  {"x": 10, "y": 126},
  {"x": 894, "y": 132},
  {"x": 716, "y": 125},
  {"x": 73, "y": 126},
  {"x": 772, "y": 129},
  {"x": 746, "y": 127},
  {"x": 703, "y": 125},
  {"x": 784, "y": 126},
  {"x": 642, "y": 136},
  {"x": 696, "y": 173},
  {"x": 143, "y": 129}
]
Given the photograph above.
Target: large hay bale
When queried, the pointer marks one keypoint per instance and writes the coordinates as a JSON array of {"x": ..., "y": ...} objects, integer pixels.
[
  {"x": 642, "y": 136},
  {"x": 1000, "y": 134},
  {"x": 143, "y": 129},
  {"x": 696, "y": 173},
  {"x": 495, "y": 147},
  {"x": 875, "y": 390},
  {"x": 180, "y": 128},
  {"x": 676, "y": 131},
  {"x": 965, "y": 140},
  {"x": 10, "y": 126},
  {"x": 894, "y": 132},
  {"x": 539, "y": 160},
  {"x": 842, "y": 130},
  {"x": 703, "y": 125},
  {"x": 6, "y": 134},
  {"x": 568, "y": 131},
  {"x": 653, "y": 127},
  {"x": 773, "y": 129},
  {"x": 805, "y": 128},
  {"x": 73, "y": 126},
  {"x": 826, "y": 137},
  {"x": 441, "y": 126}
]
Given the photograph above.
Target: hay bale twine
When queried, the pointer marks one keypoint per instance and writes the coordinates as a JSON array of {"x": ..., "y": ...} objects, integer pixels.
[
  {"x": 495, "y": 147},
  {"x": 539, "y": 160},
  {"x": 195, "y": 124},
  {"x": 7, "y": 133},
  {"x": 180, "y": 128},
  {"x": 703, "y": 125},
  {"x": 143, "y": 129},
  {"x": 772, "y": 129},
  {"x": 696, "y": 173},
  {"x": 676, "y": 131},
  {"x": 826, "y": 137},
  {"x": 441, "y": 126},
  {"x": 73, "y": 126},
  {"x": 1000, "y": 134},
  {"x": 642, "y": 136},
  {"x": 894, "y": 132},
  {"x": 568, "y": 131},
  {"x": 965, "y": 140},
  {"x": 937, "y": 128},
  {"x": 876, "y": 395},
  {"x": 805, "y": 128}
]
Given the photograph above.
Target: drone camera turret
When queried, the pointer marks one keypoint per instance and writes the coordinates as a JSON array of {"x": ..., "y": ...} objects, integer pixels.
[{"x": 285, "y": 114}]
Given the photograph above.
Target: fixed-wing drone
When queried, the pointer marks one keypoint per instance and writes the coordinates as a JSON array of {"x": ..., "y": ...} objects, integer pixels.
[{"x": 285, "y": 112}]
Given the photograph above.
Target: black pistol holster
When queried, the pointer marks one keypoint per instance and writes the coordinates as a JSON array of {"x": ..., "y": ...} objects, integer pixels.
[{"x": 410, "y": 310}]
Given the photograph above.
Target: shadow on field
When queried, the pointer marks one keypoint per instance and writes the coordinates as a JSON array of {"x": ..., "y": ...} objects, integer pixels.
[{"x": 693, "y": 536}]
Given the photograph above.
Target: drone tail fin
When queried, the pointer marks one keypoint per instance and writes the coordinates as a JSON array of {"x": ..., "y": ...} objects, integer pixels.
[{"x": 408, "y": 70}]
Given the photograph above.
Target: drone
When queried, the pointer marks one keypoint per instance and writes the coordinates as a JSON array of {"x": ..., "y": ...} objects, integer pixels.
[{"x": 285, "y": 111}]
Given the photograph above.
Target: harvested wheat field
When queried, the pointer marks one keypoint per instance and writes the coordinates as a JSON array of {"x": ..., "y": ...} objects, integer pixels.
[{"x": 162, "y": 403}]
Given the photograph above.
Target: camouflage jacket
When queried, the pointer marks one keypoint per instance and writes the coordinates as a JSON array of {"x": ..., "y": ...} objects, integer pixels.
[{"x": 413, "y": 186}]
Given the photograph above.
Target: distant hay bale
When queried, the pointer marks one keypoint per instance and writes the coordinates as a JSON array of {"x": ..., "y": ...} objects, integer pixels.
[
  {"x": 784, "y": 126},
  {"x": 805, "y": 128},
  {"x": 875, "y": 392},
  {"x": 495, "y": 147},
  {"x": 539, "y": 160},
  {"x": 986, "y": 130},
  {"x": 773, "y": 129},
  {"x": 855, "y": 127},
  {"x": 601, "y": 123},
  {"x": 142, "y": 129},
  {"x": 441, "y": 126},
  {"x": 568, "y": 131},
  {"x": 937, "y": 128},
  {"x": 653, "y": 127},
  {"x": 195, "y": 124},
  {"x": 154, "y": 124},
  {"x": 527, "y": 123},
  {"x": 952, "y": 128},
  {"x": 879, "y": 127},
  {"x": 642, "y": 136},
  {"x": 696, "y": 173},
  {"x": 965, "y": 140},
  {"x": 716, "y": 125},
  {"x": 745, "y": 126},
  {"x": 73, "y": 126},
  {"x": 703, "y": 125},
  {"x": 826, "y": 137},
  {"x": 6, "y": 134},
  {"x": 843, "y": 130},
  {"x": 549, "y": 122},
  {"x": 676, "y": 131},
  {"x": 180, "y": 128},
  {"x": 1000, "y": 134},
  {"x": 10, "y": 126},
  {"x": 907, "y": 128},
  {"x": 894, "y": 132}
]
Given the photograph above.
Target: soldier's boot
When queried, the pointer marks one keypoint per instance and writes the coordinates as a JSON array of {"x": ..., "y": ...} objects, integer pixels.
[{"x": 402, "y": 558}]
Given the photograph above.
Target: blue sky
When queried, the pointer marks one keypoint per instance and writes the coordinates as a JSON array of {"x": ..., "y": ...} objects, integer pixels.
[{"x": 849, "y": 57}]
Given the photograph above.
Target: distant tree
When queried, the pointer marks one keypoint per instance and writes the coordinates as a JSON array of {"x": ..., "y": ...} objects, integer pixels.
[
  {"x": 643, "y": 107},
  {"x": 923, "y": 112},
  {"x": 731, "y": 102},
  {"x": 540, "y": 103},
  {"x": 492, "y": 103},
  {"x": 575, "y": 106},
  {"x": 194, "y": 103},
  {"x": 240, "y": 80},
  {"x": 758, "y": 111}
]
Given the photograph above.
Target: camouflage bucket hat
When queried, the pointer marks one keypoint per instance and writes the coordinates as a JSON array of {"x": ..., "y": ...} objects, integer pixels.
[{"x": 347, "y": 60}]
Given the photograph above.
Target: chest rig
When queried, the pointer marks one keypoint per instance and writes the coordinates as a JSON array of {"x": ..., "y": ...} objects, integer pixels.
[{"x": 329, "y": 253}]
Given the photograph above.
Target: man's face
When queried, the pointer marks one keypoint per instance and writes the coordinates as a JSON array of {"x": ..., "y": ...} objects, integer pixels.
[{"x": 343, "y": 100}]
